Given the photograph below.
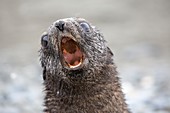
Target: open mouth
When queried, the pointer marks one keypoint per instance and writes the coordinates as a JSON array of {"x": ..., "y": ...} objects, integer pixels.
[{"x": 72, "y": 55}]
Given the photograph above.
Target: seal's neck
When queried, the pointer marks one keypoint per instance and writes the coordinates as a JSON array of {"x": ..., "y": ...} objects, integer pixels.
[{"x": 89, "y": 95}]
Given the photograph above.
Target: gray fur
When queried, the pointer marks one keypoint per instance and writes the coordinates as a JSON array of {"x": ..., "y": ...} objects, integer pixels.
[{"x": 93, "y": 88}]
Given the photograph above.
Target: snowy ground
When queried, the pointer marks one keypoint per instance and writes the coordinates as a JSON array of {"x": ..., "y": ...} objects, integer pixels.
[{"x": 137, "y": 31}]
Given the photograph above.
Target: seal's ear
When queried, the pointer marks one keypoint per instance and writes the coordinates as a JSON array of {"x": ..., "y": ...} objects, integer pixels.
[
  {"x": 110, "y": 52},
  {"x": 109, "y": 56},
  {"x": 44, "y": 73}
]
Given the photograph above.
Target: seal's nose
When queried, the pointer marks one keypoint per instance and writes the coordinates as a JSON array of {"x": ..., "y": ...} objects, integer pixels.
[{"x": 60, "y": 25}]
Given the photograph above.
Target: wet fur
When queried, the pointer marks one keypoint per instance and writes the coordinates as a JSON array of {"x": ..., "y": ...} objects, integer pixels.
[{"x": 94, "y": 88}]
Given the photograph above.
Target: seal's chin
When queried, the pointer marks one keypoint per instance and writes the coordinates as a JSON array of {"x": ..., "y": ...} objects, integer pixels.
[{"x": 72, "y": 55}]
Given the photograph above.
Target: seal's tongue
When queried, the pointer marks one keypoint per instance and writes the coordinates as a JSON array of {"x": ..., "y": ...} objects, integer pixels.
[{"x": 71, "y": 52}]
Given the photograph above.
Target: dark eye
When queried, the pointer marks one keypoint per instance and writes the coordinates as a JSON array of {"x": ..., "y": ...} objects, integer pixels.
[
  {"x": 44, "y": 40},
  {"x": 85, "y": 27}
]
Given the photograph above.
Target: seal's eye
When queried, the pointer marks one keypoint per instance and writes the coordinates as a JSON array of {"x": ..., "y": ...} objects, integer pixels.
[
  {"x": 44, "y": 40},
  {"x": 85, "y": 27}
]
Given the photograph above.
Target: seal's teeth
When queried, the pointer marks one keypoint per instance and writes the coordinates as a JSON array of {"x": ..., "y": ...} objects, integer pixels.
[{"x": 72, "y": 55}]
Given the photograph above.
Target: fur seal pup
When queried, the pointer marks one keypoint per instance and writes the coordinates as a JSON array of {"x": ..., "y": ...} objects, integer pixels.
[{"x": 78, "y": 70}]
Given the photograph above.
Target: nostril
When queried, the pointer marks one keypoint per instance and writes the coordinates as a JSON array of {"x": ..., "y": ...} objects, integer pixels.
[{"x": 60, "y": 25}]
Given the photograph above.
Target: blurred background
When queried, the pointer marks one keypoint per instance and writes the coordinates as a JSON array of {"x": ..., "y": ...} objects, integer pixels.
[{"x": 137, "y": 31}]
